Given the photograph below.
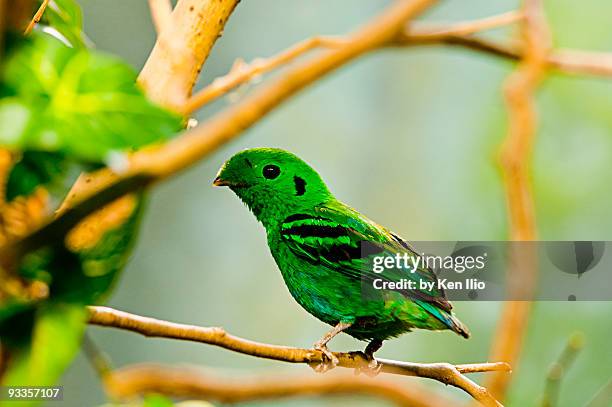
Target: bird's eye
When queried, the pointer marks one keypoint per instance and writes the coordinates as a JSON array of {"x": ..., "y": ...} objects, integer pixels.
[{"x": 271, "y": 171}]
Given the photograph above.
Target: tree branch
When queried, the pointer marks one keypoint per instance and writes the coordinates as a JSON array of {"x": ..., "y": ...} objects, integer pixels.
[
  {"x": 435, "y": 32},
  {"x": 182, "y": 48},
  {"x": 462, "y": 35},
  {"x": 515, "y": 157},
  {"x": 36, "y": 19},
  {"x": 167, "y": 77},
  {"x": 161, "y": 14},
  {"x": 190, "y": 383},
  {"x": 442, "y": 372},
  {"x": 242, "y": 73},
  {"x": 158, "y": 163},
  {"x": 457, "y": 34}
]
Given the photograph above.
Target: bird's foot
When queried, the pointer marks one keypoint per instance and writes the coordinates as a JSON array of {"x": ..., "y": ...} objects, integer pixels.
[
  {"x": 372, "y": 369},
  {"x": 329, "y": 361}
]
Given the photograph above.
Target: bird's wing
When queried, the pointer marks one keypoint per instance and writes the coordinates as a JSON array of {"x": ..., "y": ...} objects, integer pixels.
[{"x": 338, "y": 237}]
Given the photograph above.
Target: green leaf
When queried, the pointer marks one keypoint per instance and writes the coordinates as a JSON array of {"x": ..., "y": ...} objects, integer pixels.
[
  {"x": 15, "y": 118},
  {"x": 76, "y": 102},
  {"x": 63, "y": 19},
  {"x": 68, "y": 10},
  {"x": 55, "y": 341},
  {"x": 33, "y": 169}
]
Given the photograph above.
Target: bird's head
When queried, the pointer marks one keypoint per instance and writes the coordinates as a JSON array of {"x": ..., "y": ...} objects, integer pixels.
[{"x": 272, "y": 182}]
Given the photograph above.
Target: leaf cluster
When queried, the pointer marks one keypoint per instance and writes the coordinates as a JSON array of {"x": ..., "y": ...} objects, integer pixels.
[{"x": 64, "y": 109}]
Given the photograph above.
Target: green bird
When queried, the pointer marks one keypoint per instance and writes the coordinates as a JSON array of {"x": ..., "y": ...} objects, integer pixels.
[{"x": 324, "y": 250}]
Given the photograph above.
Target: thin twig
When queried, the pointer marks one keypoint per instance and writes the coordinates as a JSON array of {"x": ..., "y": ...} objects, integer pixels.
[
  {"x": 190, "y": 383},
  {"x": 96, "y": 357},
  {"x": 515, "y": 156},
  {"x": 442, "y": 372},
  {"x": 566, "y": 61},
  {"x": 242, "y": 73},
  {"x": 435, "y": 32},
  {"x": 558, "y": 369},
  {"x": 161, "y": 14},
  {"x": 36, "y": 19}
]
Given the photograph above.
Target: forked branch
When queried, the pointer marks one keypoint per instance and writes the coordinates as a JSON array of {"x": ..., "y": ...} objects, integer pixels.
[
  {"x": 242, "y": 72},
  {"x": 161, "y": 14}
]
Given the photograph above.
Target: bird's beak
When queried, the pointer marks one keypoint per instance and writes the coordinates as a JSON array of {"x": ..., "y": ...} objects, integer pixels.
[{"x": 219, "y": 182}]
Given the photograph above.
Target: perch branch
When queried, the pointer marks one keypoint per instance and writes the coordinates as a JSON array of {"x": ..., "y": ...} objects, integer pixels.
[
  {"x": 37, "y": 16},
  {"x": 559, "y": 368},
  {"x": 443, "y": 372},
  {"x": 137, "y": 380},
  {"x": 515, "y": 156},
  {"x": 242, "y": 73},
  {"x": 155, "y": 164},
  {"x": 161, "y": 14}
]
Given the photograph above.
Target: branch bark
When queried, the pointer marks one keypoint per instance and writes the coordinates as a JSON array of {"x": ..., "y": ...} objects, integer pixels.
[
  {"x": 182, "y": 48},
  {"x": 443, "y": 372},
  {"x": 161, "y": 14},
  {"x": 37, "y": 16},
  {"x": 190, "y": 383}
]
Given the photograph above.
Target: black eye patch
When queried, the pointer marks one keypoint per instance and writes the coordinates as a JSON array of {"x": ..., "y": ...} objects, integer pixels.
[{"x": 300, "y": 185}]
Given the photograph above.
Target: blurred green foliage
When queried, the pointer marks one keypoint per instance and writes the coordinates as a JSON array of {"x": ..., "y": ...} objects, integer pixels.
[
  {"x": 65, "y": 108},
  {"x": 78, "y": 102},
  {"x": 66, "y": 19}
]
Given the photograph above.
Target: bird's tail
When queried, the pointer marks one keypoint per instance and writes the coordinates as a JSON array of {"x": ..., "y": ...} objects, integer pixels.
[
  {"x": 458, "y": 326},
  {"x": 447, "y": 318}
]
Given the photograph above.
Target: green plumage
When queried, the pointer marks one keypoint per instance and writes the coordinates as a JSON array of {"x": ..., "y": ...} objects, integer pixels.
[{"x": 324, "y": 248}]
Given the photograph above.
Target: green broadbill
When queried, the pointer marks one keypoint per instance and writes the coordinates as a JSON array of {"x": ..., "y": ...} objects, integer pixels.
[{"x": 324, "y": 250}]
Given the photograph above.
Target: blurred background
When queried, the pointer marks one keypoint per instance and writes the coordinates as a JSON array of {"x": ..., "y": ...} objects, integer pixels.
[{"x": 406, "y": 136}]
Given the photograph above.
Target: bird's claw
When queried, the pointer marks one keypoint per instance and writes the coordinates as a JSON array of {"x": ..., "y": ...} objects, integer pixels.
[
  {"x": 329, "y": 361},
  {"x": 372, "y": 369}
]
